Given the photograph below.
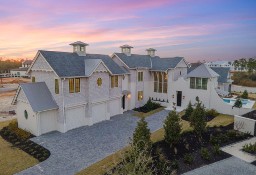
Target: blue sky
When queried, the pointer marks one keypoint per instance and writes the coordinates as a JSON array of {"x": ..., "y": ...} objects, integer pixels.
[{"x": 196, "y": 30}]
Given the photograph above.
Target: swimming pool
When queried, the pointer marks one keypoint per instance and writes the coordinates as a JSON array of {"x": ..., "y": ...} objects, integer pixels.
[{"x": 246, "y": 103}]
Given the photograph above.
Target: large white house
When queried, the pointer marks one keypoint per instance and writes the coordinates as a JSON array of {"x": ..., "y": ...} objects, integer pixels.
[
  {"x": 21, "y": 71},
  {"x": 74, "y": 89}
]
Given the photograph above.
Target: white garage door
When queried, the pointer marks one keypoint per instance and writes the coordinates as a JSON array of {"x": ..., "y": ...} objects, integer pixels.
[
  {"x": 99, "y": 112},
  {"x": 75, "y": 117},
  {"x": 114, "y": 107},
  {"x": 48, "y": 121}
]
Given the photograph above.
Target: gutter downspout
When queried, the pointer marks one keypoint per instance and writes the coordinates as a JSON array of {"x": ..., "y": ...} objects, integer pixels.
[{"x": 63, "y": 103}]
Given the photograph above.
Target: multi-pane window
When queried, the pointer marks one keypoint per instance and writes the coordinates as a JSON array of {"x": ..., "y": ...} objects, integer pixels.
[
  {"x": 160, "y": 82},
  {"x": 114, "y": 81},
  {"x": 33, "y": 79},
  {"x": 140, "y": 76},
  {"x": 77, "y": 84},
  {"x": 140, "y": 95},
  {"x": 155, "y": 81},
  {"x": 74, "y": 85},
  {"x": 198, "y": 83},
  {"x": 165, "y": 83},
  {"x": 57, "y": 86}
]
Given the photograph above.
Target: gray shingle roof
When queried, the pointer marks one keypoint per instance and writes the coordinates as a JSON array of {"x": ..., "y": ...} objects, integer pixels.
[
  {"x": 223, "y": 72},
  {"x": 67, "y": 64},
  {"x": 39, "y": 96},
  {"x": 145, "y": 61},
  {"x": 90, "y": 65},
  {"x": 203, "y": 71},
  {"x": 163, "y": 64}
]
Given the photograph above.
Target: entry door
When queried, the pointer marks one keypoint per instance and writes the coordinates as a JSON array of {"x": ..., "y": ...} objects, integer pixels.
[
  {"x": 179, "y": 98},
  {"x": 123, "y": 102}
]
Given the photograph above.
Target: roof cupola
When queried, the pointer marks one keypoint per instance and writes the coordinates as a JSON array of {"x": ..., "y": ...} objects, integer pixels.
[
  {"x": 79, "y": 48},
  {"x": 126, "y": 49}
]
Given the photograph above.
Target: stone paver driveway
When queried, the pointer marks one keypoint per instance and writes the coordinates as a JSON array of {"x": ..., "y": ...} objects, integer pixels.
[
  {"x": 229, "y": 166},
  {"x": 81, "y": 147}
]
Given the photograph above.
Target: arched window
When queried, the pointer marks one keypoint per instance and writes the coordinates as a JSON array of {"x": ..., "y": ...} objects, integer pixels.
[{"x": 26, "y": 114}]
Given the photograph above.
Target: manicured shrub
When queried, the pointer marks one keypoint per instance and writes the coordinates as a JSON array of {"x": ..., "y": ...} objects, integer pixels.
[
  {"x": 141, "y": 135},
  {"x": 188, "y": 159},
  {"x": 205, "y": 154},
  {"x": 250, "y": 148},
  {"x": 135, "y": 161},
  {"x": 189, "y": 110},
  {"x": 215, "y": 140},
  {"x": 216, "y": 149},
  {"x": 149, "y": 106},
  {"x": 211, "y": 112},
  {"x": 244, "y": 95},
  {"x": 231, "y": 134},
  {"x": 172, "y": 128},
  {"x": 175, "y": 164},
  {"x": 197, "y": 119}
]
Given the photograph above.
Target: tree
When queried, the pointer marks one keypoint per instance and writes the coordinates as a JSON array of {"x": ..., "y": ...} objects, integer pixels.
[
  {"x": 189, "y": 110},
  {"x": 172, "y": 128},
  {"x": 141, "y": 135},
  {"x": 238, "y": 103},
  {"x": 197, "y": 119},
  {"x": 244, "y": 95}
]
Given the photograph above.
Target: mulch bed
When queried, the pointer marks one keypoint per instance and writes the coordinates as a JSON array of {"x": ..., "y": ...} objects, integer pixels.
[
  {"x": 190, "y": 144},
  {"x": 207, "y": 118},
  {"x": 250, "y": 115},
  {"x": 28, "y": 146}
]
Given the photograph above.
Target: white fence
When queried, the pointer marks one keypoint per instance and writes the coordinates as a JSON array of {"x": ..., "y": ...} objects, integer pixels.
[
  {"x": 245, "y": 125},
  {"x": 237, "y": 88}
]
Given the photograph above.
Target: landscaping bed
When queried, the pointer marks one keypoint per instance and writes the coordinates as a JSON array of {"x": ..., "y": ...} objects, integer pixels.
[
  {"x": 149, "y": 106},
  {"x": 20, "y": 139},
  {"x": 250, "y": 148},
  {"x": 186, "y": 154}
]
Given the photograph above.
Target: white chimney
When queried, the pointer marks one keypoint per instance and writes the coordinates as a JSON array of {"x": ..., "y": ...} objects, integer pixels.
[
  {"x": 126, "y": 49},
  {"x": 79, "y": 48},
  {"x": 151, "y": 52}
]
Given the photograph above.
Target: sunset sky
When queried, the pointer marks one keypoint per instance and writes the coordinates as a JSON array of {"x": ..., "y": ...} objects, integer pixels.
[{"x": 194, "y": 29}]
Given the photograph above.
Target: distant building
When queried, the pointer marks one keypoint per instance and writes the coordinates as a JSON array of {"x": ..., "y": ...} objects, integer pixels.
[{"x": 21, "y": 71}]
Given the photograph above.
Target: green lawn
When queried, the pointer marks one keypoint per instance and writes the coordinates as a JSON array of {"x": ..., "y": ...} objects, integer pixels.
[
  {"x": 13, "y": 160},
  {"x": 110, "y": 161}
]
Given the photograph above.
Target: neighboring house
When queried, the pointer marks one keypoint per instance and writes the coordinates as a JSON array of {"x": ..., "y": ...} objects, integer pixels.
[
  {"x": 71, "y": 90},
  {"x": 220, "y": 64},
  {"x": 21, "y": 71}
]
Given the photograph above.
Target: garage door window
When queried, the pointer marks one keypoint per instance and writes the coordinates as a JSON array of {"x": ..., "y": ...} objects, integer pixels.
[{"x": 26, "y": 114}]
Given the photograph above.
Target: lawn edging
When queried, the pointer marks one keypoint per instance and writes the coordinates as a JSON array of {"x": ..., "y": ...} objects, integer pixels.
[{"x": 142, "y": 114}]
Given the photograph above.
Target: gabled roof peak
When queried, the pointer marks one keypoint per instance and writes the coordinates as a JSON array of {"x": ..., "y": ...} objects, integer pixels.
[{"x": 203, "y": 71}]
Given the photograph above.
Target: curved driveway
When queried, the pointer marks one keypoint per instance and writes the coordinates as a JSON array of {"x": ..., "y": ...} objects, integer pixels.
[{"x": 79, "y": 148}]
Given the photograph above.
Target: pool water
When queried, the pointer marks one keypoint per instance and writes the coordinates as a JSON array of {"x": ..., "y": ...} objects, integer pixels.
[{"x": 246, "y": 103}]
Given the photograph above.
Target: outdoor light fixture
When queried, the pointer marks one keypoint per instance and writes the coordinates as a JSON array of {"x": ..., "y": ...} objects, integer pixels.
[
  {"x": 129, "y": 95},
  {"x": 183, "y": 97},
  {"x": 172, "y": 96}
]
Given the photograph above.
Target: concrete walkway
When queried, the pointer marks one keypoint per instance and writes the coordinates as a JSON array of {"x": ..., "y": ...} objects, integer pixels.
[
  {"x": 79, "y": 148},
  {"x": 230, "y": 166},
  {"x": 236, "y": 150}
]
